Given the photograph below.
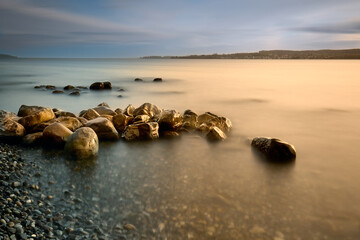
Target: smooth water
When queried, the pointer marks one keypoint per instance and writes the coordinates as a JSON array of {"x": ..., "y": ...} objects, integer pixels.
[{"x": 191, "y": 189}]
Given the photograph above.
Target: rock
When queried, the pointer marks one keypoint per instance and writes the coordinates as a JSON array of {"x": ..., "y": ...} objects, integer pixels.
[
  {"x": 50, "y": 87},
  {"x": 141, "y": 119},
  {"x": 129, "y": 110},
  {"x": 215, "y": 134},
  {"x": 64, "y": 114},
  {"x": 121, "y": 90},
  {"x": 120, "y": 121},
  {"x": 103, "y": 128},
  {"x": 103, "y": 104},
  {"x": 57, "y": 92},
  {"x": 170, "y": 120},
  {"x": 56, "y": 133},
  {"x": 25, "y": 110},
  {"x": 169, "y": 134},
  {"x": 107, "y": 85},
  {"x": 75, "y": 93},
  {"x": 129, "y": 227},
  {"x": 42, "y": 115},
  {"x": 119, "y": 96},
  {"x": 97, "y": 86},
  {"x": 141, "y": 131},
  {"x": 138, "y": 80},
  {"x": 37, "y": 86},
  {"x": 157, "y": 80},
  {"x": 147, "y": 109},
  {"x": 102, "y": 110},
  {"x": 119, "y": 110},
  {"x": 71, "y": 123},
  {"x": 82, "y": 144},
  {"x": 89, "y": 114},
  {"x": 211, "y": 119},
  {"x": 10, "y": 128},
  {"x": 108, "y": 117},
  {"x": 81, "y": 87},
  {"x": 32, "y": 139},
  {"x": 82, "y": 120},
  {"x": 190, "y": 120},
  {"x": 69, "y": 87},
  {"x": 274, "y": 149},
  {"x": 55, "y": 110}
]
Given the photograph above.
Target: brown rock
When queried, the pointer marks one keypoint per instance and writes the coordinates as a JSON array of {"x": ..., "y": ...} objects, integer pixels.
[
  {"x": 103, "y": 110},
  {"x": 147, "y": 109},
  {"x": 10, "y": 128},
  {"x": 37, "y": 117},
  {"x": 129, "y": 110},
  {"x": 104, "y": 128},
  {"x": 32, "y": 139},
  {"x": 103, "y": 104},
  {"x": 89, "y": 114},
  {"x": 140, "y": 119},
  {"x": 82, "y": 144},
  {"x": 215, "y": 134},
  {"x": 141, "y": 131},
  {"x": 274, "y": 149},
  {"x": 120, "y": 121},
  {"x": 69, "y": 87},
  {"x": 97, "y": 86},
  {"x": 56, "y": 133},
  {"x": 170, "y": 120},
  {"x": 64, "y": 114}
]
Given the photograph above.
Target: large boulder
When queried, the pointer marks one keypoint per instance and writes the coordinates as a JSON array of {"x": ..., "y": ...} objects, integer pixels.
[
  {"x": 56, "y": 134},
  {"x": 103, "y": 110},
  {"x": 104, "y": 128},
  {"x": 120, "y": 121},
  {"x": 89, "y": 114},
  {"x": 32, "y": 117},
  {"x": 141, "y": 131},
  {"x": 215, "y": 134},
  {"x": 25, "y": 110},
  {"x": 274, "y": 149},
  {"x": 9, "y": 128},
  {"x": 147, "y": 109},
  {"x": 170, "y": 120},
  {"x": 82, "y": 144}
]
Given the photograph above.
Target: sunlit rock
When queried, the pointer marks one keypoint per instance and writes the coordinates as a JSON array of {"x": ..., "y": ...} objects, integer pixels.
[
  {"x": 103, "y": 110},
  {"x": 33, "y": 117},
  {"x": 89, "y": 114},
  {"x": 215, "y": 134},
  {"x": 147, "y": 109},
  {"x": 142, "y": 131},
  {"x": 104, "y": 128},
  {"x": 69, "y": 87},
  {"x": 56, "y": 133},
  {"x": 140, "y": 119},
  {"x": 190, "y": 121},
  {"x": 129, "y": 110},
  {"x": 82, "y": 144},
  {"x": 64, "y": 114},
  {"x": 274, "y": 149},
  {"x": 211, "y": 119},
  {"x": 9, "y": 128},
  {"x": 170, "y": 120},
  {"x": 120, "y": 121},
  {"x": 71, "y": 123}
]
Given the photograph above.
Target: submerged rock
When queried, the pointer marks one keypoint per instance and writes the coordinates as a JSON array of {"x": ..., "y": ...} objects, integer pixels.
[
  {"x": 103, "y": 128},
  {"x": 75, "y": 93},
  {"x": 104, "y": 104},
  {"x": 274, "y": 149},
  {"x": 32, "y": 117},
  {"x": 107, "y": 85},
  {"x": 69, "y": 87},
  {"x": 138, "y": 80},
  {"x": 141, "y": 131},
  {"x": 157, "y": 80},
  {"x": 56, "y": 133},
  {"x": 82, "y": 144},
  {"x": 57, "y": 92}
]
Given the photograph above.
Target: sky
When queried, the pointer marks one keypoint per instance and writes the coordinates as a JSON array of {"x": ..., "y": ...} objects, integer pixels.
[{"x": 135, "y": 28}]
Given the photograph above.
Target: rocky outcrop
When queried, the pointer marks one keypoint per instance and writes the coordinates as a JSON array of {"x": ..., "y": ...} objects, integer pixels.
[
  {"x": 274, "y": 149},
  {"x": 56, "y": 134},
  {"x": 104, "y": 128},
  {"x": 141, "y": 131},
  {"x": 31, "y": 117},
  {"x": 170, "y": 120},
  {"x": 82, "y": 144},
  {"x": 147, "y": 109}
]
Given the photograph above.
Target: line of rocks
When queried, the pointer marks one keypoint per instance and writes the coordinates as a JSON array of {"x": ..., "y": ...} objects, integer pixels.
[{"x": 80, "y": 134}]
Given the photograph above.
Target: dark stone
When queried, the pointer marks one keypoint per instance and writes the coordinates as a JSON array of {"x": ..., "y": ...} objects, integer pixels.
[
  {"x": 157, "y": 80},
  {"x": 138, "y": 80},
  {"x": 50, "y": 87},
  {"x": 107, "y": 85},
  {"x": 69, "y": 87},
  {"x": 97, "y": 86},
  {"x": 57, "y": 91},
  {"x": 274, "y": 149},
  {"x": 75, "y": 93}
]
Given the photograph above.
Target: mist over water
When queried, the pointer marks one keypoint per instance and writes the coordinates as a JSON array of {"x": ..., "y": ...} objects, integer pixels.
[{"x": 191, "y": 189}]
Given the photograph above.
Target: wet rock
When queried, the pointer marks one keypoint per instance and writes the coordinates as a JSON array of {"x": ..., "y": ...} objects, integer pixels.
[
  {"x": 69, "y": 87},
  {"x": 141, "y": 131},
  {"x": 170, "y": 120},
  {"x": 56, "y": 133},
  {"x": 82, "y": 144},
  {"x": 103, "y": 110},
  {"x": 129, "y": 110},
  {"x": 141, "y": 119},
  {"x": 107, "y": 85},
  {"x": 97, "y": 86},
  {"x": 103, "y": 104},
  {"x": 103, "y": 128},
  {"x": 75, "y": 93},
  {"x": 32, "y": 139},
  {"x": 147, "y": 109},
  {"x": 57, "y": 92},
  {"x": 89, "y": 114},
  {"x": 215, "y": 134},
  {"x": 138, "y": 80},
  {"x": 64, "y": 114},
  {"x": 157, "y": 80},
  {"x": 10, "y": 128},
  {"x": 120, "y": 121},
  {"x": 42, "y": 115},
  {"x": 274, "y": 149}
]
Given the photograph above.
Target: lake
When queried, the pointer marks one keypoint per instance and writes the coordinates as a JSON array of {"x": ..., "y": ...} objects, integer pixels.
[{"x": 189, "y": 188}]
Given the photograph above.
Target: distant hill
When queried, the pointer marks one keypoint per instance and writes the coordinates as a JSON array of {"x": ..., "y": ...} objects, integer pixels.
[
  {"x": 278, "y": 54},
  {"x": 6, "y": 56}
]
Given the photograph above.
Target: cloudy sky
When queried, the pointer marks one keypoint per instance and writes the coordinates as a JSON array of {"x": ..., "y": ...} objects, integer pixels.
[{"x": 133, "y": 28}]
